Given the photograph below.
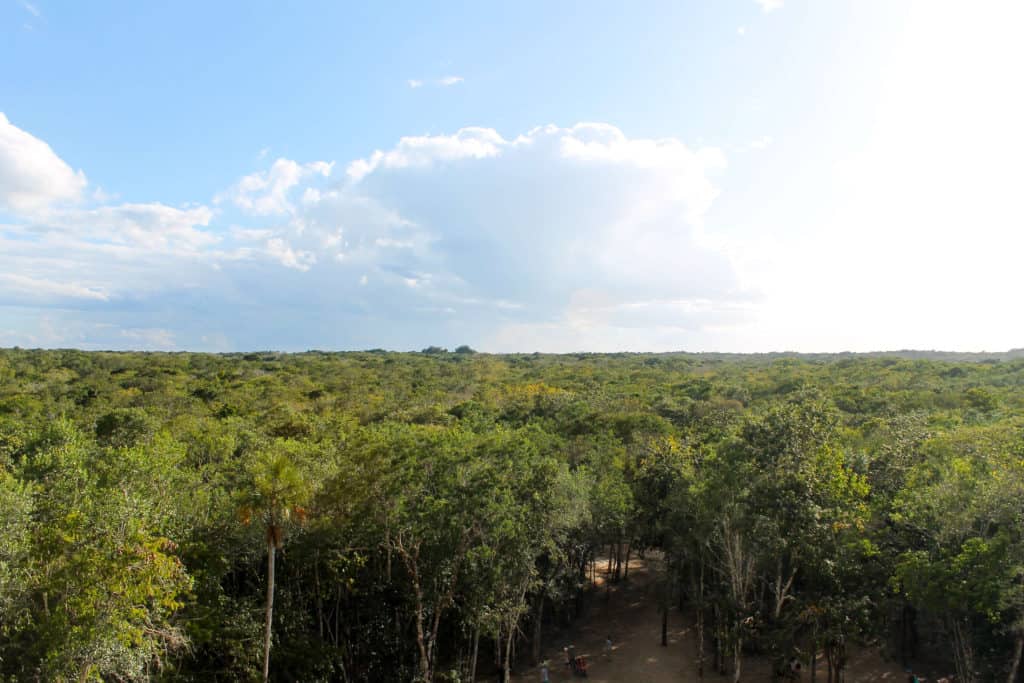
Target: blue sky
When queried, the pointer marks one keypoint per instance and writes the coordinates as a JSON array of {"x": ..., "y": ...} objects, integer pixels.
[{"x": 744, "y": 175}]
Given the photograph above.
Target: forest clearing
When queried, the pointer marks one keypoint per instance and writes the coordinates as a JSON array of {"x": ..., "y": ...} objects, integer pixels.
[{"x": 631, "y": 616}]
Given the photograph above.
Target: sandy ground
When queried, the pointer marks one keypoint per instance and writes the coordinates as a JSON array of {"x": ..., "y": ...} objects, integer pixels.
[{"x": 631, "y": 617}]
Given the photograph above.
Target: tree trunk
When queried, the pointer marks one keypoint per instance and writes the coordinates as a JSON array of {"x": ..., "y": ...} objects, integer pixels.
[
  {"x": 472, "y": 660},
  {"x": 270, "y": 604},
  {"x": 387, "y": 545},
  {"x": 814, "y": 659},
  {"x": 508, "y": 655},
  {"x": 700, "y": 643},
  {"x": 912, "y": 633},
  {"x": 903, "y": 636},
  {"x": 319, "y": 598},
  {"x": 716, "y": 641},
  {"x": 963, "y": 652},
  {"x": 497, "y": 649},
  {"x": 664, "y": 625},
  {"x": 344, "y": 671},
  {"x": 611, "y": 556},
  {"x": 629, "y": 550},
  {"x": 723, "y": 644},
  {"x": 537, "y": 629},
  {"x": 700, "y": 624},
  {"x": 781, "y": 590},
  {"x": 739, "y": 566},
  {"x": 737, "y": 660},
  {"x": 421, "y": 644},
  {"x": 1017, "y": 650}
]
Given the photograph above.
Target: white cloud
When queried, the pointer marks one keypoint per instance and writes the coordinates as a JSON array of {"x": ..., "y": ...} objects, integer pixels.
[
  {"x": 741, "y": 31},
  {"x": 762, "y": 142},
  {"x": 155, "y": 227},
  {"x": 769, "y": 5},
  {"x": 468, "y": 143},
  {"x": 582, "y": 228},
  {"x": 145, "y": 339},
  {"x": 519, "y": 227},
  {"x": 266, "y": 193},
  {"x": 444, "y": 82},
  {"x": 32, "y": 176},
  {"x": 31, "y": 287},
  {"x": 250, "y": 234},
  {"x": 102, "y": 196},
  {"x": 290, "y": 258},
  {"x": 397, "y": 244},
  {"x": 77, "y": 258},
  {"x": 31, "y": 9}
]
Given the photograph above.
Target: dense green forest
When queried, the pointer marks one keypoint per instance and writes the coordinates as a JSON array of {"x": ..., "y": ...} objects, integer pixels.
[{"x": 419, "y": 516}]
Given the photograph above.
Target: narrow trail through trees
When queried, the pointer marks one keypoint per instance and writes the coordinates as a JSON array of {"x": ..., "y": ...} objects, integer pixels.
[{"x": 630, "y": 615}]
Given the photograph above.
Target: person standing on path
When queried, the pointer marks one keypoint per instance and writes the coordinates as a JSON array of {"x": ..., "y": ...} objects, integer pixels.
[{"x": 545, "y": 675}]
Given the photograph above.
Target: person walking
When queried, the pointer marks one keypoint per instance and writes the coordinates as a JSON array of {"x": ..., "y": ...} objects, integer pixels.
[
  {"x": 545, "y": 674},
  {"x": 608, "y": 647}
]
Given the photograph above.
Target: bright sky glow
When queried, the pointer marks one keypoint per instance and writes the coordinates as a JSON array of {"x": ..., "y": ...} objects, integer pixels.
[{"x": 749, "y": 175}]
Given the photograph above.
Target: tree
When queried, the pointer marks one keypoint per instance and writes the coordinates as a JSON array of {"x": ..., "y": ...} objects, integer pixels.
[
  {"x": 963, "y": 505},
  {"x": 275, "y": 492},
  {"x": 110, "y": 581},
  {"x": 16, "y": 506},
  {"x": 437, "y": 493}
]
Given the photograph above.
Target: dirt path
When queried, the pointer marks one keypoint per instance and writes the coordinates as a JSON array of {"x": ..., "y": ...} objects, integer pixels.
[{"x": 632, "y": 619}]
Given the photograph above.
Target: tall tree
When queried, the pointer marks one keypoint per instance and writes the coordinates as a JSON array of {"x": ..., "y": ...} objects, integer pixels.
[{"x": 275, "y": 492}]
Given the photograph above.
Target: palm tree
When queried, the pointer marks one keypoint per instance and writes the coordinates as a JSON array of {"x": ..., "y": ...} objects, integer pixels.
[{"x": 275, "y": 491}]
